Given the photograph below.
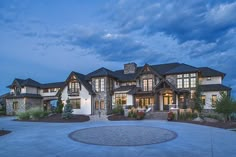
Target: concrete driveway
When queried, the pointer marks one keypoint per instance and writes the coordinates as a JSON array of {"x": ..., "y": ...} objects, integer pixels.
[{"x": 51, "y": 140}]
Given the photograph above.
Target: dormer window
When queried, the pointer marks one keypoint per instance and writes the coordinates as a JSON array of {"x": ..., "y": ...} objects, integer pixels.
[
  {"x": 147, "y": 84},
  {"x": 17, "y": 90},
  {"x": 74, "y": 87}
]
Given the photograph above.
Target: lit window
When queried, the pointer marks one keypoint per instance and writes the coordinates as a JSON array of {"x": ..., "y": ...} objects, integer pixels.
[
  {"x": 203, "y": 98},
  {"x": 179, "y": 83},
  {"x": 193, "y": 82},
  {"x": 208, "y": 78},
  {"x": 99, "y": 85},
  {"x": 193, "y": 75},
  {"x": 121, "y": 99},
  {"x": 186, "y": 75},
  {"x": 96, "y": 105},
  {"x": 102, "y": 105},
  {"x": 186, "y": 83},
  {"x": 179, "y": 76},
  {"x": 213, "y": 99},
  {"x": 147, "y": 85},
  {"x": 102, "y": 85}
]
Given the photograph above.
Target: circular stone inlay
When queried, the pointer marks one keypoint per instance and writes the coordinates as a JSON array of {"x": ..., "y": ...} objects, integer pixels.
[{"x": 123, "y": 135}]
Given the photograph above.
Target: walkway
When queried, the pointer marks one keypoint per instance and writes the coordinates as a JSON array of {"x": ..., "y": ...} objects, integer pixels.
[{"x": 52, "y": 140}]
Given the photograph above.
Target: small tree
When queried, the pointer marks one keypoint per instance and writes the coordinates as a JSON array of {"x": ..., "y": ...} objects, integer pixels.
[
  {"x": 197, "y": 101},
  {"x": 67, "y": 112},
  {"x": 59, "y": 104},
  {"x": 225, "y": 105}
]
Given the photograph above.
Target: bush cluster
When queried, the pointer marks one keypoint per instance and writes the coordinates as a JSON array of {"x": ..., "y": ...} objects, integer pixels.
[
  {"x": 187, "y": 116},
  {"x": 135, "y": 113},
  {"x": 118, "y": 110},
  {"x": 33, "y": 114}
]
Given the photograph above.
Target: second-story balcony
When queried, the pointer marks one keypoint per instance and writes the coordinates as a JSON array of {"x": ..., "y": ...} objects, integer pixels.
[{"x": 73, "y": 92}]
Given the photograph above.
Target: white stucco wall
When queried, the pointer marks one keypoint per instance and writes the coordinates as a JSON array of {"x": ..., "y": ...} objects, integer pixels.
[
  {"x": 214, "y": 80},
  {"x": 85, "y": 100},
  {"x": 129, "y": 99},
  {"x": 31, "y": 90},
  {"x": 48, "y": 93},
  {"x": 208, "y": 95}
]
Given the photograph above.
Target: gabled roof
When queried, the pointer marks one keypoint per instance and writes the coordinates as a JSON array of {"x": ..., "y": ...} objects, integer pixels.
[
  {"x": 182, "y": 68},
  {"x": 208, "y": 72},
  {"x": 82, "y": 79},
  {"x": 53, "y": 85},
  {"x": 101, "y": 72},
  {"x": 214, "y": 87},
  {"x": 27, "y": 82}
]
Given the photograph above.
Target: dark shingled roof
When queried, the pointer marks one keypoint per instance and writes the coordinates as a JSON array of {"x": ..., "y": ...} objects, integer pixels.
[
  {"x": 101, "y": 72},
  {"x": 163, "y": 68},
  {"x": 27, "y": 82},
  {"x": 214, "y": 87},
  {"x": 124, "y": 88},
  {"x": 53, "y": 85},
  {"x": 127, "y": 77},
  {"x": 208, "y": 72},
  {"x": 25, "y": 95},
  {"x": 182, "y": 68}
]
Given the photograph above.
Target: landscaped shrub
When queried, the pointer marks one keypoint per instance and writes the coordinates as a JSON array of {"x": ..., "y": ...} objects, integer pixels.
[
  {"x": 187, "y": 116},
  {"x": 170, "y": 116},
  {"x": 118, "y": 110},
  {"x": 67, "y": 112},
  {"x": 132, "y": 113},
  {"x": 23, "y": 116},
  {"x": 36, "y": 113},
  {"x": 140, "y": 115}
]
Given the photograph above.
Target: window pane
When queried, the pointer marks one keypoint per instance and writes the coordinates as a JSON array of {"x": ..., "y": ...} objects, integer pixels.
[
  {"x": 179, "y": 76},
  {"x": 193, "y": 82},
  {"x": 102, "y": 106},
  {"x": 179, "y": 83},
  {"x": 96, "y": 105},
  {"x": 149, "y": 84},
  {"x": 186, "y": 83},
  {"x": 102, "y": 85},
  {"x": 193, "y": 75},
  {"x": 213, "y": 100},
  {"x": 203, "y": 97},
  {"x": 186, "y": 75},
  {"x": 97, "y": 85},
  {"x": 145, "y": 85},
  {"x": 75, "y": 103}
]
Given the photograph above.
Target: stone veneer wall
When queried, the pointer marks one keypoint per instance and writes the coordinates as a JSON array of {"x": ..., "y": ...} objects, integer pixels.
[
  {"x": 9, "y": 106},
  {"x": 23, "y": 104}
]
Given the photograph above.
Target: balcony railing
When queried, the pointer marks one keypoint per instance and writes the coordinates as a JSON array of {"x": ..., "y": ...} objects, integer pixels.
[{"x": 73, "y": 92}]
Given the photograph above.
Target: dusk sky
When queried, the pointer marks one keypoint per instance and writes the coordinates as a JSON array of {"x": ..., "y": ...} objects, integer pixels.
[{"x": 47, "y": 39}]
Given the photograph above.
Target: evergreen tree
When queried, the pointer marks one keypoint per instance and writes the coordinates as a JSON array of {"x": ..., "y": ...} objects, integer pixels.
[
  {"x": 59, "y": 104},
  {"x": 225, "y": 105},
  {"x": 67, "y": 112},
  {"x": 197, "y": 101}
]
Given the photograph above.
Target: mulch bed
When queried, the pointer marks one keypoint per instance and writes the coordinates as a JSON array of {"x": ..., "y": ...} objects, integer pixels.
[
  {"x": 4, "y": 132},
  {"x": 119, "y": 117},
  {"x": 57, "y": 118},
  {"x": 226, "y": 125}
]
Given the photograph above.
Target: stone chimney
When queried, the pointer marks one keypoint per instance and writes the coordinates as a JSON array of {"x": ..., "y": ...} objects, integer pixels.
[{"x": 130, "y": 68}]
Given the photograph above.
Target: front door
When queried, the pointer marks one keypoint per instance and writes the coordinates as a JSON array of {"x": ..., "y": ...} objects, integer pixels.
[{"x": 167, "y": 100}]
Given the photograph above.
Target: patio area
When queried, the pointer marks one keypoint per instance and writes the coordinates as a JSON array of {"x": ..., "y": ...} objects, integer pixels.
[{"x": 52, "y": 139}]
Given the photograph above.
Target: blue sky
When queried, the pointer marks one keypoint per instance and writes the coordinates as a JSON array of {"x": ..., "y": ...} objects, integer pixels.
[{"x": 45, "y": 40}]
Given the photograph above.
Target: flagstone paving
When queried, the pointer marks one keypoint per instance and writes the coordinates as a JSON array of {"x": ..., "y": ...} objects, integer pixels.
[{"x": 52, "y": 140}]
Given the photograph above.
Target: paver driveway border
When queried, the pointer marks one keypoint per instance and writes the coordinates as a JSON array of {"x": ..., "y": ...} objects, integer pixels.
[{"x": 51, "y": 140}]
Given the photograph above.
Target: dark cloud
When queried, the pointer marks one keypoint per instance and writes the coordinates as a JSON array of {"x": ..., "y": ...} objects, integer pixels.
[{"x": 184, "y": 20}]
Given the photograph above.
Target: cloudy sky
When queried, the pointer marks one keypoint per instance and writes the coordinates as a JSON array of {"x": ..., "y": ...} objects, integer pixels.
[{"x": 45, "y": 40}]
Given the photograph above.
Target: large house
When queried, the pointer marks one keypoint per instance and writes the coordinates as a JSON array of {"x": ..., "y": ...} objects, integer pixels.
[{"x": 156, "y": 86}]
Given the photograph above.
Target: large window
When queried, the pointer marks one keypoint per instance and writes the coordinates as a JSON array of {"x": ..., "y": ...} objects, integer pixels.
[
  {"x": 144, "y": 102},
  {"x": 186, "y": 80},
  {"x": 121, "y": 99},
  {"x": 100, "y": 85},
  {"x": 213, "y": 100},
  {"x": 75, "y": 103},
  {"x": 102, "y": 105},
  {"x": 15, "y": 105},
  {"x": 147, "y": 84},
  {"x": 203, "y": 98},
  {"x": 74, "y": 87}
]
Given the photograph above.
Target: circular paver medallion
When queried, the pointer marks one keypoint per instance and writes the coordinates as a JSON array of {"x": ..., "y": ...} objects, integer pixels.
[{"x": 123, "y": 135}]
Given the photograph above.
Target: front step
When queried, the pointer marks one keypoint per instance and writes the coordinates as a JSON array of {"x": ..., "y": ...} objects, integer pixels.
[{"x": 157, "y": 115}]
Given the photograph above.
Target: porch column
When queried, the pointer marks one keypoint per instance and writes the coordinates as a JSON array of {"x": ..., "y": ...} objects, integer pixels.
[
  {"x": 174, "y": 99},
  {"x": 156, "y": 101}
]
